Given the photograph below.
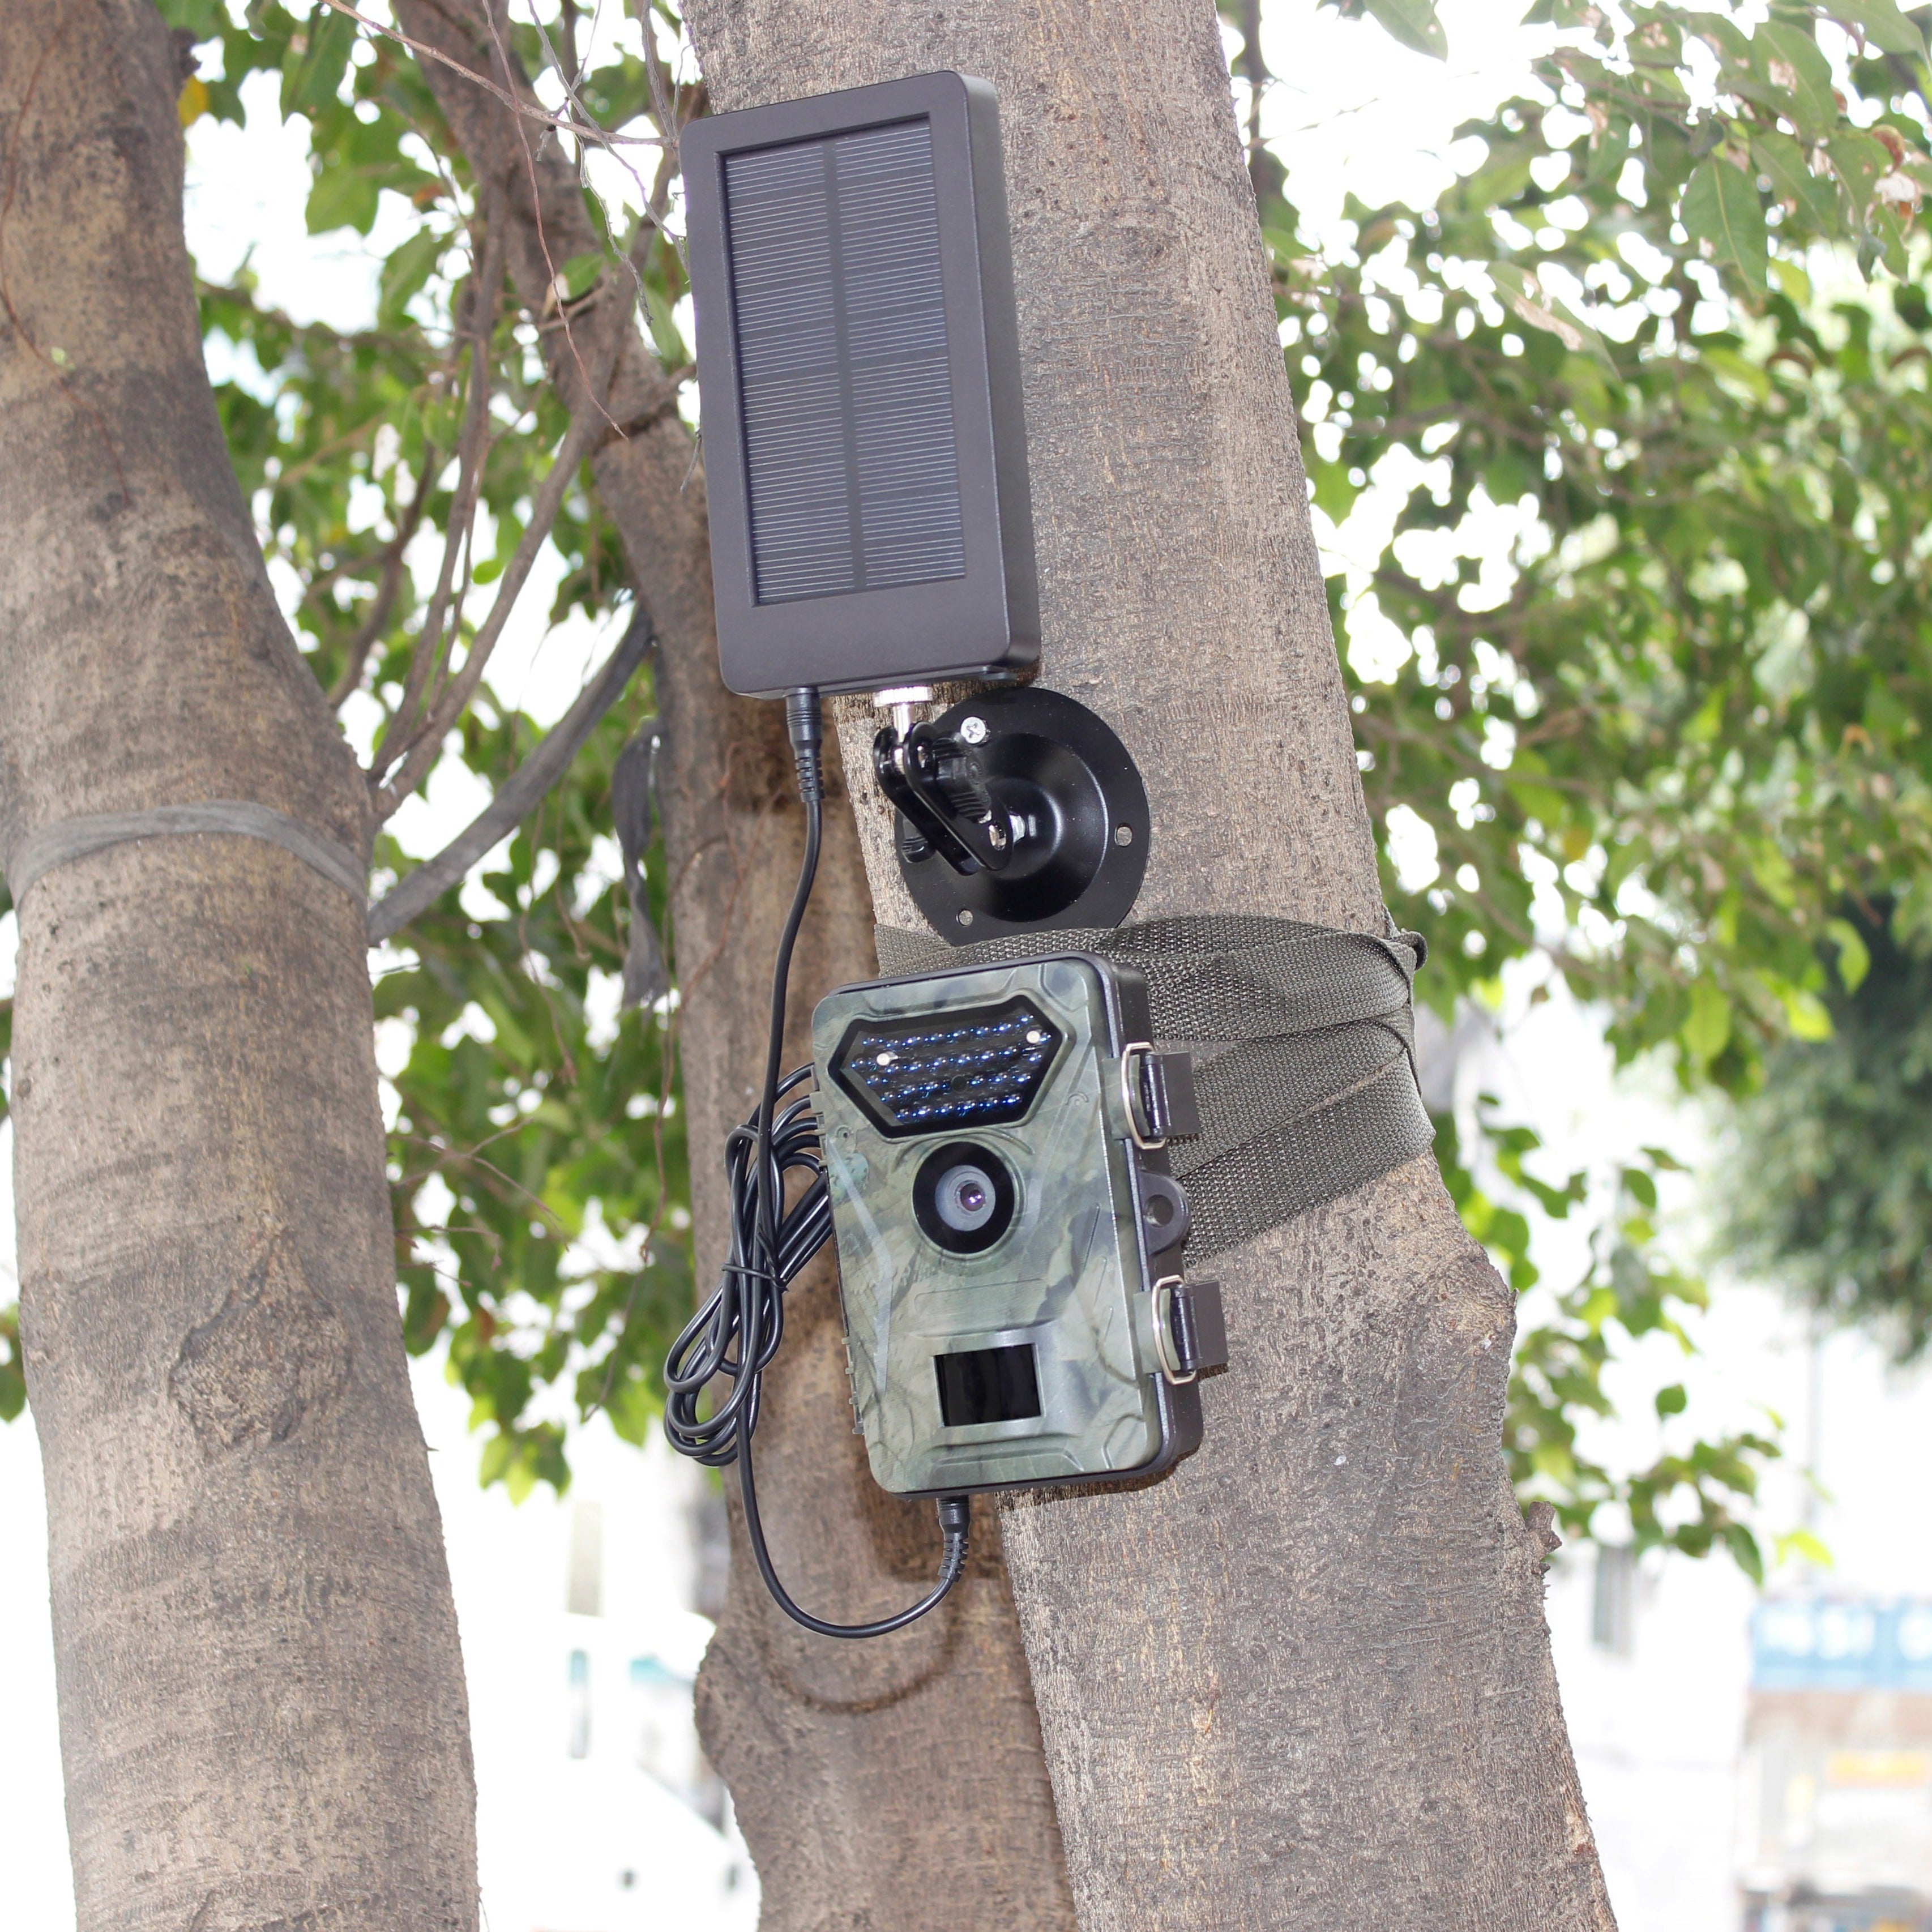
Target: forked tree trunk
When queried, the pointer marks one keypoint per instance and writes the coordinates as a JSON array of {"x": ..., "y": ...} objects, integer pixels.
[
  {"x": 1305, "y": 1681},
  {"x": 261, "y": 1703},
  {"x": 866, "y": 1775}
]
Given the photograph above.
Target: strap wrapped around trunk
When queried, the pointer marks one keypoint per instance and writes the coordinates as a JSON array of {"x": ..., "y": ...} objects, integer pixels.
[{"x": 1305, "y": 1040}]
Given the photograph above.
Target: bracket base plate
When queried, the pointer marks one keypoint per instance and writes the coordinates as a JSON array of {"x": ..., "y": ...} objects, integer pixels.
[{"x": 1079, "y": 810}]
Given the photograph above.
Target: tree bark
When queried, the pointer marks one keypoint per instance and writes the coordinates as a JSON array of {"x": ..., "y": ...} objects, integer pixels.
[
  {"x": 262, "y": 1713},
  {"x": 1304, "y": 1681},
  {"x": 862, "y": 1774}
]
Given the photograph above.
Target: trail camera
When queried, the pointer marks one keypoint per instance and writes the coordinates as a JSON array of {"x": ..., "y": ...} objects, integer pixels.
[
  {"x": 1009, "y": 1233},
  {"x": 858, "y": 373}
]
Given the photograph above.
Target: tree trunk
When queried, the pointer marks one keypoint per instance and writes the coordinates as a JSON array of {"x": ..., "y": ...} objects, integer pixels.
[
  {"x": 262, "y": 1712},
  {"x": 1305, "y": 1681},
  {"x": 849, "y": 1765}
]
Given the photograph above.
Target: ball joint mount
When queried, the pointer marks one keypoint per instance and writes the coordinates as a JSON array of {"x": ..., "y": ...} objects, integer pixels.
[{"x": 1018, "y": 810}]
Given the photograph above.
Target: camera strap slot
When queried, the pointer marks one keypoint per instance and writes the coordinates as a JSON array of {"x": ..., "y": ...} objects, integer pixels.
[
  {"x": 1190, "y": 1332},
  {"x": 1157, "y": 1095}
]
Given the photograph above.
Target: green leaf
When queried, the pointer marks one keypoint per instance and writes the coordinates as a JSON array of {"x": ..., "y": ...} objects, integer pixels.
[
  {"x": 1885, "y": 26},
  {"x": 1721, "y": 207},
  {"x": 1889, "y": 231},
  {"x": 1703, "y": 727},
  {"x": 665, "y": 339},
  {"x": 1525, "y": 296},
  {"x": 1854, "y": 955},
  {"x": 203, "y": 19},
  {"x": 1725, "y": 38},
  {"x": 1858, "y": 161},
  {"x": 1334, "y": 495},
  {"x": 1795, "y": 284},
  {"x": 406, "y": 271},
  {"x": 1564, "y": 13},
  {"x": 1804, "y": 1546},
  {"x": 1797, "y": 74},
  {"x": 1740, "y": 369},
  {"x": 1744, "y": 1552},
  {"x": 1773, "y": 871},
  {"x": 1414, "y": 23},
  {"x": 312, "y": 79},
  {"x": 344, "y": 196},
  {"x": 1808, "y": 1016},
  {"x": 1708, "y": 1029},
  {"x": 1671, "y": 1401},
  {"x": 579, "y": 275},
  {"x": 1782, "y": 163},
  {"x": 1781, "y": 160},
  {"x": 13, "y": 1378}
]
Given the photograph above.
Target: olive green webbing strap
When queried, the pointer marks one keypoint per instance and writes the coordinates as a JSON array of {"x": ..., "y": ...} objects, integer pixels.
[{"x": 1304, "y": 1038}]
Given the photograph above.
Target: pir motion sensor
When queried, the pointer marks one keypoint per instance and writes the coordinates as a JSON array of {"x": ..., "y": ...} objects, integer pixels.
[{"x": 986, "y": 1144}]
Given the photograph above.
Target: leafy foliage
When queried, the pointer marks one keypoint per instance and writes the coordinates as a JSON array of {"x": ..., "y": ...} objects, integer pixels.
[
  {"x": 1691, "y": 1501},
  {"x": 1692, "y": 716},
  {"x": 540, "y": 1206},
  {"x": 12, "y": 1379},
  {"x": 1831, "y": 1188},
  {"x": 1672, "y": 328}
]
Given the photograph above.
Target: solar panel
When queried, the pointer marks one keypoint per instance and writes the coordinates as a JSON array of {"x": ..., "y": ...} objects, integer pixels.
[
  {"x": 858, "y": 354},
  {"x": 844, "y": 388}
]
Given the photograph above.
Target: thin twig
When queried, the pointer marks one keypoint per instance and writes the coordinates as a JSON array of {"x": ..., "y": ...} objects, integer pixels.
[
  {"x": 656, "y": 199},
  {"x": 348, "y": 439},
  {"x": 421, "y": 748},
  {"x": 568, "y": 82},
  {"x": 425, "y": 666},
  {"x": 596, "y": 135},
  {"x": 593, "y": 391},
  {"x": 377, "y": 622}
]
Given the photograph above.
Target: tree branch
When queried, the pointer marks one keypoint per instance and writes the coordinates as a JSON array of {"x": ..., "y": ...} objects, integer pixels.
[
  {"x": 522, "y": 109},
  {"x": 377, "y": 622},
  {"x": 427, "y": 662},
  {"x": 519, "y": 795},
  {"x": 424, "y": 745}
]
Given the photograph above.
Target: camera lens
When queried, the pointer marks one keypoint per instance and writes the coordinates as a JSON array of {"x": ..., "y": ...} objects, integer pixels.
[{"x": 963, "y": 1198}]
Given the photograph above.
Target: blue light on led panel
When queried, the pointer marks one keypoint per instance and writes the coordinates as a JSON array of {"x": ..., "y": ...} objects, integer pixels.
[{"x": 946, "y": 1071}]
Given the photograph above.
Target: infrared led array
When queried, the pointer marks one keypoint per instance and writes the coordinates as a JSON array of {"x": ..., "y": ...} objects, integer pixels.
[{"x": 949, "y": 1070}]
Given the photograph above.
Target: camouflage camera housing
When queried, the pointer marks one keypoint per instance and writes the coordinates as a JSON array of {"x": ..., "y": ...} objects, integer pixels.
[{"x": 1009, "y": 1234}]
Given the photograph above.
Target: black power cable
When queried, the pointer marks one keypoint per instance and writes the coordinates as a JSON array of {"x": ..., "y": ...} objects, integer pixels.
[{"x": 736, "y": 1333}]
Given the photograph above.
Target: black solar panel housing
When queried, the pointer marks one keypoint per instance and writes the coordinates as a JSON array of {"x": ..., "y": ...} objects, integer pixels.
[{"x": 859, "y": 364}]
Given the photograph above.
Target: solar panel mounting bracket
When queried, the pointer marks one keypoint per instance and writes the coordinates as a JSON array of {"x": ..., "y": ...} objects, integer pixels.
[{"x": 1062, "y": 796}]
